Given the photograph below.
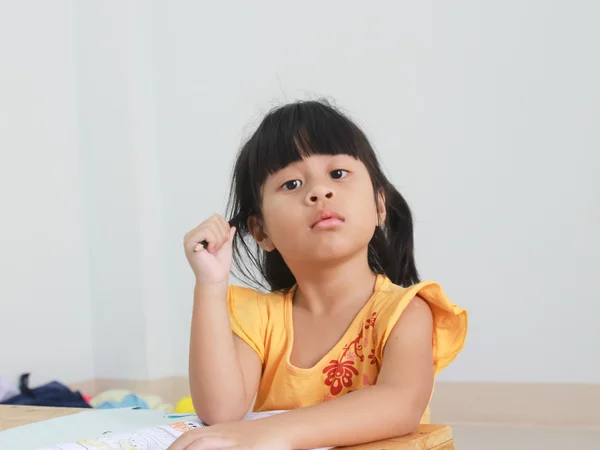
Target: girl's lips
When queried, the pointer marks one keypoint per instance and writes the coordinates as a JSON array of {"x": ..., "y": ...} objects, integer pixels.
[
  {"x": 328, "y": 224},
  {"x": 325, "y": 217}
]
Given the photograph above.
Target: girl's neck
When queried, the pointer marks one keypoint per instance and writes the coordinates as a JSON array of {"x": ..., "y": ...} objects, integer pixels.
[{"x": 323, "y": 289}]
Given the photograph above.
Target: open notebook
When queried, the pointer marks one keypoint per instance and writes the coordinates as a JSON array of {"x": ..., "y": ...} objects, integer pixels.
[{"x": 157, "y": 437}]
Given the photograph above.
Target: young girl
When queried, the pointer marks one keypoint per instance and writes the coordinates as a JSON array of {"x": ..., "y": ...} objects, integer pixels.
[{"x": 347, "y": 338}]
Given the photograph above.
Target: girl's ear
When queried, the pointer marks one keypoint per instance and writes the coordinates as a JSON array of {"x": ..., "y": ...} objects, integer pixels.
[
  {"x": 381, "y": 211},
  {"x": 257, "y": 230}
]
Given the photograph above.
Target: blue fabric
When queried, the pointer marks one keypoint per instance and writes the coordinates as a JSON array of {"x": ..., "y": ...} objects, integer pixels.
[
  {"x": 129, "y": 401},
  {"x": 50, "y": 394}
]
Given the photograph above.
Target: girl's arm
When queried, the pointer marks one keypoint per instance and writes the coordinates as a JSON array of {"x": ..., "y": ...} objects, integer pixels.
[
  {"x": 224, "y": 372},
  {"x": 391, "y": 408}
]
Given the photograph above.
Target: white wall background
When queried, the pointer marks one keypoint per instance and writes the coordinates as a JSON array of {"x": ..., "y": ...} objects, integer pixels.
[
  {"x": 118, "y": 122},
  {"x": 45, "y": 293}
]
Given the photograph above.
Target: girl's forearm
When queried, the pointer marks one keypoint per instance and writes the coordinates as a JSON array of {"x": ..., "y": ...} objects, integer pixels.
[
  {"x": 369, "y": 414},
  {"x": 216, "y": 379}
]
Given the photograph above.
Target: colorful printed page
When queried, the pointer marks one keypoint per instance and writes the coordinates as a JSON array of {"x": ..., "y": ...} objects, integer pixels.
[{"x": 152, "y": 438}]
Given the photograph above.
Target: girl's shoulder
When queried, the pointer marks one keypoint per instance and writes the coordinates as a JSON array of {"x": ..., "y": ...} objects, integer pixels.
[
  {"x": 251, "y": 304},
  {"x": 241, "y": 295},
  {"x": 450, "y": 322},
  {"x": 393, "y": 296},
  {"x": 253, "y": 314}
]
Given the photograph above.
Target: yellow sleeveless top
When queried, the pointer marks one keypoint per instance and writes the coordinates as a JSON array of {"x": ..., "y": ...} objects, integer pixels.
[{"x": 264, "y": 322}]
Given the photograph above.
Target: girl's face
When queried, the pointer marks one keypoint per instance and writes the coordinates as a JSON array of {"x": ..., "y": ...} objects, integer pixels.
[{"x": 319, "y": 208}]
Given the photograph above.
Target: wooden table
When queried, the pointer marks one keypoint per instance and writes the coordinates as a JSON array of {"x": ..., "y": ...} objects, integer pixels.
[{"x": 428, "y": 437}]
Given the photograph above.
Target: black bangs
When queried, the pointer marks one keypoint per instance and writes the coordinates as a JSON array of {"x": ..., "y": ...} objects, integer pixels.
[{"x": 292, "y": 132}]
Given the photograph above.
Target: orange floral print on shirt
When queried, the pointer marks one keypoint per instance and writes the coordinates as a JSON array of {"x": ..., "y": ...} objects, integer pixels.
[{"x": 340, "y": 373}]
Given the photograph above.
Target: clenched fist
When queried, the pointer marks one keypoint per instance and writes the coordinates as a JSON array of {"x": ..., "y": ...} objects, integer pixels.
[{"x": 213, "y": 264}]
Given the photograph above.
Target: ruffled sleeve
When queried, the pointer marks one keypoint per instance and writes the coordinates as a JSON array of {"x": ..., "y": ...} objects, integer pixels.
[{"x": 450, "y": 322}]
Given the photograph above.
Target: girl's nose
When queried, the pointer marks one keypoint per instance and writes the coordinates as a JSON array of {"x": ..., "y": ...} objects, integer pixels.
[{"x": 319, "y": 193}]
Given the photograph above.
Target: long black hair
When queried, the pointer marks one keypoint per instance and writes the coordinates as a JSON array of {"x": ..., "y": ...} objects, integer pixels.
[{"x": 286, "y": 135}]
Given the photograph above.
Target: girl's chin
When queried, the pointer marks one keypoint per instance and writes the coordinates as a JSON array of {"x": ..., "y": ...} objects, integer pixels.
[{"x": 328, "y": 253}]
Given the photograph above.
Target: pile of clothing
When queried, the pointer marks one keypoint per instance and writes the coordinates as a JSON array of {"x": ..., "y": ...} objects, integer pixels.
[
  {"x": 50, "y": 394},
  {"x": 58, "y": 395}
]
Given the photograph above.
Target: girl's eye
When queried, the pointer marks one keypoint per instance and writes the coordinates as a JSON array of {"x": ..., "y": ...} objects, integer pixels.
[
  {"x": 338, "y": 174},
  {"x": 291, "y": 185}
]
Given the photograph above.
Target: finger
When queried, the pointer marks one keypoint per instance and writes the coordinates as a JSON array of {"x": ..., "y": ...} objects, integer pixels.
[
  {"x": 224, "y": 227},
  {"x": 215, "y": 241},
  {"x": 198, "y": 235},
  {"x": 222, "y": 224},
  {"x": 184, "y": 441},
  {"x": 203, "y": 443},
  {"x": 224, "y": 230},
  {"x": 217, "y": 238},
  {"x": 214, "y": 230},
  {"x": 209, "y": 444},
  {"x": 232, "y": 231}
]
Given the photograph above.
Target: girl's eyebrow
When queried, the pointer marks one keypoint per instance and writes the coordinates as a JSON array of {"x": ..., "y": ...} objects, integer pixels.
[{"x": 296, "y": 165}]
